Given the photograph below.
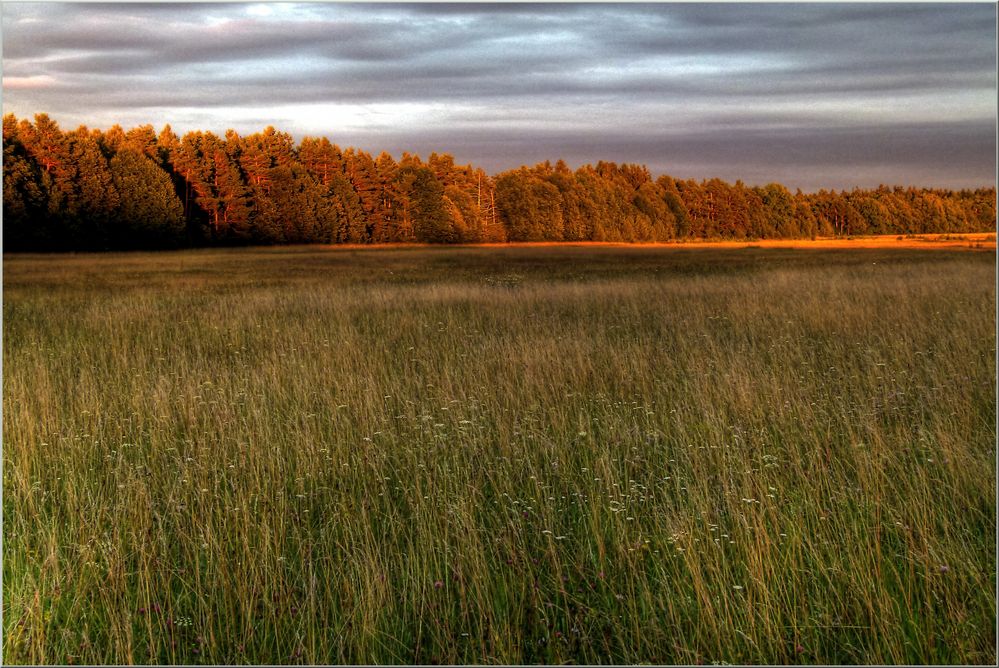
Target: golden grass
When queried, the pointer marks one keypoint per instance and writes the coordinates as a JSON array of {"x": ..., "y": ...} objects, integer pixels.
[
  {"x": 952, "y": 241},
  {"x": 500, "y": 456}
]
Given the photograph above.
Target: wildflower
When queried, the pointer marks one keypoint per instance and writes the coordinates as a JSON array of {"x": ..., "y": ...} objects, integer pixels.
[
  {"x": 944, "y": 568},
  {"x": 438, "y": 584},
  {"x": 799, "y": 649}
]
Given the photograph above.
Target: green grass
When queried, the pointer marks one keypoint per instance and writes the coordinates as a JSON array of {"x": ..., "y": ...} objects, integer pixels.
[{"x": 533, "y": 455}]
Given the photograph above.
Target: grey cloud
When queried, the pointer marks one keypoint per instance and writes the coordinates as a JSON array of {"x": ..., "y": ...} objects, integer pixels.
[
  {"x": 850, "y": 156},
  {"x": 848, "y": 34},
  {"x": 185, "y": 43},
  {"x": 458, "y": 83},
  {"x": 529, "y": 65}
]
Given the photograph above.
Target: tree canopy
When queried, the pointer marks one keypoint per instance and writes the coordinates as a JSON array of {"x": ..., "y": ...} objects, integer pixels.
[{"x": 115, "y": 189}]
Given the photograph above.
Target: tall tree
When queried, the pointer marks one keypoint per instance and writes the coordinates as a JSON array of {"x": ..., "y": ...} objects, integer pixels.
[
  {"x": 95, "y": 199},
  {"x": 432, "y": 218},
  {"x": 530, "y": 207},
  {"x": 149, "y": 213},
  {"x": 63, "y": 190},
  {"x": 24, "y": 200}
]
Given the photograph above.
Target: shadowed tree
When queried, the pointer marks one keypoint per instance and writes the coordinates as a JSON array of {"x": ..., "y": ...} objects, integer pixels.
[
  {"x": 403, "y": 212},
  {"x": 778, "y": 210},
  {"x": 385, "y": 227},
  {"x": 465, "y": 215},
  {"x": 349, "y": 220},
  {"x": 875, "y": 215},
  {"x": 364, "y": 178},
  {"x": 577, "y": 226},
  {"x": 649, "y": 200},
  {"x": 432, "y": 222},
  {"x": 149, "y": 213},
  {"x": 95, "y": 199},
  {"x": 234, "y": 208},
  {"x": 675, "y": 204},
  {"x": 324, "y": 162},
  {"x": 529, "y": 206},
  {"x": 47, "y": 146},
  {"x": 24, "y": 201},
  {"x": 285, "y": 197},
  {"x": 803, "y": 223}
]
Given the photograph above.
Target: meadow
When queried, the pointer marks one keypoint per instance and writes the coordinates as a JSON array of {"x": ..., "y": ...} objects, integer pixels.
[{"x": 500, "y": 455}]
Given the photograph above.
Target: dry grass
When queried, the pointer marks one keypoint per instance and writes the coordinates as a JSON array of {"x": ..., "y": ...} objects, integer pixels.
[
  {"x": 500, "y": 455},
  {"x": 981, "y": 241}
]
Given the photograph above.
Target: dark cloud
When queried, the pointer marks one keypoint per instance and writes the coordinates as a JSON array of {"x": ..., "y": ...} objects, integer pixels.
[
  {"x": 944, "y": 155},
  {"x": 816, "y": 94}
]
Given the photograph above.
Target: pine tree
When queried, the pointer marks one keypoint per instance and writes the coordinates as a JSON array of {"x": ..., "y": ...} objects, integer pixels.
[
  {"x": 385, "y": 227},
  {"x": 431, "y": 220},
  {"x": 149, "y": 213},
  {"x": 44, "y": 142},
  {"x": 61, "y": 192},
  {"x": 142, "y": 139},
  {"x": 530, "y": 207},
  {"x": 167, "y": 142},
  {"x": 466, "y": 217},
  {"x": 47, "y": 146},
  {"x": 233, "y": 198},
  {"x": 321, "y": 158},
  {"x": 24, "y": 201},
  {"x": 405, "y": 176},
  {"x": 324, "y": 162},
  {"x": 351, "y": 227},
  {"x": 778, "y": 207},
  {"x": 113, "y": 139},
  {"x": 363, "y": 176},
  {"x": 95, "y": 199}
]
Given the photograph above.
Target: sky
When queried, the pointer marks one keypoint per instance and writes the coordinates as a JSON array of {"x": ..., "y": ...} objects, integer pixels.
[{"x": 809, "y": 95}]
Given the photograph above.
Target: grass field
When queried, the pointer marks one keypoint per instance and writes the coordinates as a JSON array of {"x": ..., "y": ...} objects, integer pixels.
[{"x": 516, "y": 455}]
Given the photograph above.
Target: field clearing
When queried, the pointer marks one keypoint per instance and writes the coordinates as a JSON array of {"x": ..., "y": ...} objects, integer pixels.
[
  {"x": 524, "y": 454},
  {"x": 969, "y": 241},
  {"x": 954, "y": 241}
]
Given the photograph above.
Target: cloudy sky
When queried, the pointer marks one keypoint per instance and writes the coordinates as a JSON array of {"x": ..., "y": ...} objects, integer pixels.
[{"x": 811, "y": 95}]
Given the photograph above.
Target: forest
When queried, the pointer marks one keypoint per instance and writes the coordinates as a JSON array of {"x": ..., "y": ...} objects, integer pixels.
[{"x": 89, "y": 189}]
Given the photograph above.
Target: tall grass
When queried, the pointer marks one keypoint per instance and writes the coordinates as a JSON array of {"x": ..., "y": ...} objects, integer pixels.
[{"x": 504, "y": 455}]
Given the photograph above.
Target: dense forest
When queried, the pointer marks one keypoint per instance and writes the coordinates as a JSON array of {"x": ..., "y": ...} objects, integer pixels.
[{"x": 115, "y": 189}]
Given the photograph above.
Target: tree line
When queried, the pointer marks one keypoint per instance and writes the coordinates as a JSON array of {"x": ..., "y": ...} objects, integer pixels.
[{"x": 94, "y": 190}]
